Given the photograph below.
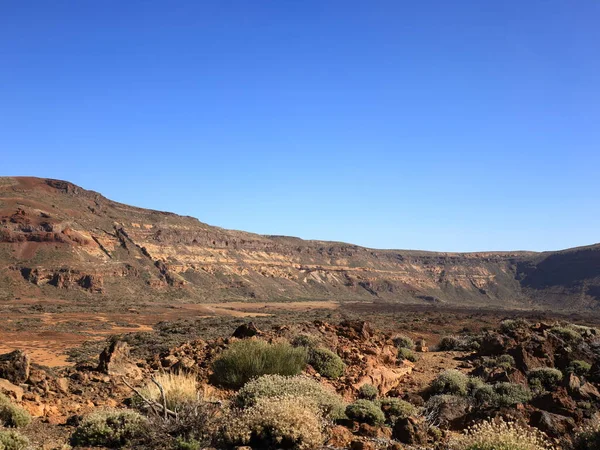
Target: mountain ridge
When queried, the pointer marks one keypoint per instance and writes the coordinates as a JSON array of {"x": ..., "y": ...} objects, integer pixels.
[{"x": 60, "y": 240}]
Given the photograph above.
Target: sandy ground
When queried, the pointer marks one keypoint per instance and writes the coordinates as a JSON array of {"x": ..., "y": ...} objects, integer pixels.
[{"x": 50, "y": 335}]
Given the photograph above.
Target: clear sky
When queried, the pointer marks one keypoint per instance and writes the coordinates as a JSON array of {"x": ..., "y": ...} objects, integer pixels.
[{"x": 437, "y": 125}]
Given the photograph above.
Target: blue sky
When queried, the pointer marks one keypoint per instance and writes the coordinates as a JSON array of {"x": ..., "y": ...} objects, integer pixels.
[{"x": 437, "y": 125}]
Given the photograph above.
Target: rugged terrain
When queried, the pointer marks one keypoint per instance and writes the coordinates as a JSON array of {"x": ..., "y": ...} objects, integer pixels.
[{"x": 59, "y": 241}]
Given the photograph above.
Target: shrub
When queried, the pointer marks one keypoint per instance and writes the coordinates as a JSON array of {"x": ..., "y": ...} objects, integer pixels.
[
  {"x": 450, "y": 382},
  {"x": 545, "y": 377},
  {"x": 567, "y": 334},
  {"x": 180, "y": 389},
  {"x": 368, "y": 392},
  {"x": 502, "y": 394},
  {"x": 13, "y": 440},
  {"x": 500, "y": 436},
  {"x": 459, "y": 343},
  {"x": 269, "y": 386},
  {"x": 405, "y": 353},
  {"x": 327, "y": 363},
  {"x": 112, "y": 429},
  {"x": 581, "y": 368},
  {"x": 395, "y": 408},
  {"x": 401, "y": 341},
  {"x": 12, "y": 415},
  {"x": 365, "y": 411},
  {"x": 502, "y": 361},
  {"x": 248, "y": 359},
  {"x": 276, "y": 422},
  {"x": 510, "y": 326},
  {"x": 449, "y": 343},
  {"x": 587, "y": 438},
  {"x": 308, "y": 341}
]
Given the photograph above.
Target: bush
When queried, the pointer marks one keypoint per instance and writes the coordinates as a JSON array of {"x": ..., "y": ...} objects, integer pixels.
[
  {"x": 269, "y": 386},
  {"x": 327, "y": 363},
  {"x": 12, "y": 415},
  {"x": 395, "y": 408},
  {"x": 503, "y": 361},
  {"x": 180, "y": 389},
  {"x": 13, "y": 440},
  {"x": 405, "y": 353},
  {"x": 581, "y": 368},
  {"x": 587, "y": 438},
  {"x": 567, "y": 334},
  {"x": 450, "y": 382},
  {"x": 500, "y": 436},
  {"x": 459, "y": 343},
  {"x": 544, "y": 377},
  {"x": 276, "y": 422},
  {"x": 248, "y": 359},
  {"x": 112, "y": 429},
  {"x": 306, "y": 340},
  {"x": 401, "y": 341},
  {"x": 502, "y": 394},
  {"x": 368, "y": 392},
  {"x": 511, "y": 326},
  {"x": 365, "y": 411}
]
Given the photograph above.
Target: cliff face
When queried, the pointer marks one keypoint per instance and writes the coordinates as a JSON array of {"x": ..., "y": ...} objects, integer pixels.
[{"x": 59, "y": 240}]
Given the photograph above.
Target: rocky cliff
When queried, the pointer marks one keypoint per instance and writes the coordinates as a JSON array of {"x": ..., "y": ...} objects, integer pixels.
[{"x": 59, "y": 240}]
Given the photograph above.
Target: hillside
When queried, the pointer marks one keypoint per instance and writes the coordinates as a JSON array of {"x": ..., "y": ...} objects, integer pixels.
[{"x": 58, "y": 240}]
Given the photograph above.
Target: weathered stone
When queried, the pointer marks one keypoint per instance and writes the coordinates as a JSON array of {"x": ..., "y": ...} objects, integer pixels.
[
  {"x": 554, "y": 425},
  {"x": 114, "y": 361},
  {"x": 410, "y": 430},
  {"x": 362, "y": 445},
  {"x": 15, "y": 366},
  {"x": 11, "y": 390},
  {"x": 339, "y": 437},
  {"x": 246, "y": 330}
]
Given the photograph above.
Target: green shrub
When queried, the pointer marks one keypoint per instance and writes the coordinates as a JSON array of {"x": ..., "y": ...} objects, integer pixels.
[
  {"x": 450, "y": 382},
  {"x": 503, "y": 361},
  {"x": 365, "y": 411},
  {"x": 12, "y": 415},
  {"x": 459, "y": 343},
  {"x": 327, "y": 363},
  {"x": 395, "y": 408},
  {"x": 308, "y": 341},
  {"x": 581, "y": 368},
  {"x": 248, "y": 359},
  {"x": 401, "y": 341},
  {"x": 112, "y": 429},
  {"x": 545, "y": 377},
  {"x": 13, "y": 440},
  {"x": 405, "y": 353},
  {"x": 368, "y": 392},
  {"x": 500, "y": 436},
  {"x": 502, "y": 394},
  {"x": 567, "y": 334},
  {"x": 450, "y": 343},
  {"x": 269, "y": 386},
  {"x": 274, "y": 423},
  {"x": 587, "y": 438},
  {"x": 188, "y": 444},
  {"x": 510, "y": 326}
]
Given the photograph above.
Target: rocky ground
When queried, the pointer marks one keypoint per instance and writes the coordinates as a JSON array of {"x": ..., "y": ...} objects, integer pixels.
[{"x": 499, "y": 361}]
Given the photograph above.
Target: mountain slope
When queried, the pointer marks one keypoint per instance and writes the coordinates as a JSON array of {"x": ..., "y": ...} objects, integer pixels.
[{"x": 58, "y": 240}]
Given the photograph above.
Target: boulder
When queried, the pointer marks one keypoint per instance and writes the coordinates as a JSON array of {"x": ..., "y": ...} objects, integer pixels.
[
  {"x": 410, "y": 430},
  {"x": 246, "y": 330},
  {"x": 339, "y": 437},
  {"x": 115, "y": 361},
  {"x": 15, "y": 366},
  {"x": 554, "y": 425},
  {"x": 362, "y": 445},
  {"x": 11, "y": 390}
]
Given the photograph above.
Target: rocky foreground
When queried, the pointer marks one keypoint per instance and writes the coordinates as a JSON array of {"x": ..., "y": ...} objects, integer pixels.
[
  {"x": 317, "y": 385},
  {"x": 59, "y": 241}
]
